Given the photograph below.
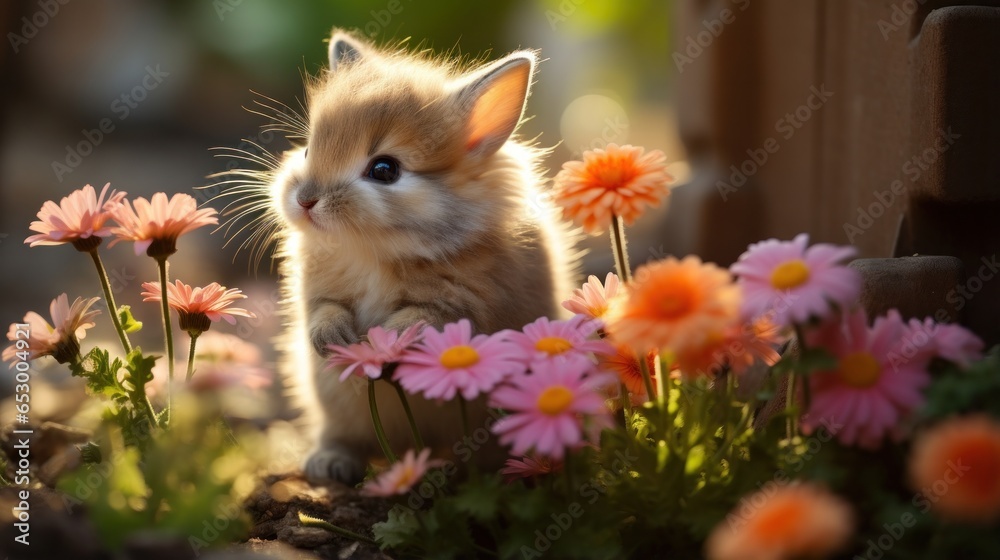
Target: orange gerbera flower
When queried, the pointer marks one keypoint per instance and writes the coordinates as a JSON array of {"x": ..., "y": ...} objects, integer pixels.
[
  {"x": 625, "y": 364},
  {"x": 615, "y": 181},
  {"x": 156, "y": 224},
  {"x": 955, "y": 466},
  {"x": 739, "y": 346},
  {"x": 673, "y": 305},
  {"x": 798, "y": 521},
  {"x": 198, "y": 307}
]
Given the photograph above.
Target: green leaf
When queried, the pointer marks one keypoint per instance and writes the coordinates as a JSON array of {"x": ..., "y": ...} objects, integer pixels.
[
  {"x": 101, "y": 373},
  {"x": 128, "y": 322},
  {"x": 479, "y": 498},
  {"x": 399, "y": 529}
]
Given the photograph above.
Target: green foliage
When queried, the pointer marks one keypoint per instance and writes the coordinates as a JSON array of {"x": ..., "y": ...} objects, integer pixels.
[
  {"x": 128, "y": 322},
  {"x": 960, "y": 391},
  {"x": 123, "y": 384},
  {"x": 185, "y": 485}
]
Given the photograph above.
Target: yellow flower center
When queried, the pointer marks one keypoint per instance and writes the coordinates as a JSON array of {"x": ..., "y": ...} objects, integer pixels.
[
  {"x": 790, "y": 274},
  {"x": 459, "y": 357},
  {"x": 553, "y": 345},
  {"x": 405, "y": 479},
  {"x": 554, "y": 400},
  {"x": 859, "y": 369}
]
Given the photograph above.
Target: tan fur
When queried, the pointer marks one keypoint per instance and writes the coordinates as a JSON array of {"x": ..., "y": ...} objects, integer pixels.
[{"x": 465, "y": 233}]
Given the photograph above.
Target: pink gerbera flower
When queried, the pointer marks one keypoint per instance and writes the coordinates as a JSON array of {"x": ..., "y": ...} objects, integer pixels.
[
  {"x": 548, "y": 340},
  {"x": 78, "y": 219},
  {"x": 60, "y": 340},
  {"x": 452, "y": 361},
  {"x": 592, "y": 299},
  {"x": 866, "y": 396},
  {"x": 366, "y": 358},
  {"x": 401, "y": 476},
  {"x": 198, "y": 307},
  {"x": 529, "y": 466},
  {"x": 791, "y": 283},
  {"x": 950, "y": 342},
  {"x": 155, "y": 225},
  {"x": 551, "y": 407}
]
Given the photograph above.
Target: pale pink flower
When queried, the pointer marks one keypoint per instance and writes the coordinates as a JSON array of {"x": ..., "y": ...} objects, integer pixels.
[
  {"x": 222, "y": 361},
  {"x": 592, "y": 299},
  {"x": 155, "y": 225},
  {"x": 61, "y": 339},
  {"x": 950, "y": 342},
  {"x": 552, "y": 408},
  {"x": 197, "y": 307},
  {"x": 367, "y": 358},
  {"x": 529, "y": 466},
  {"x": 402, "y": 475},
  {"x": 867, "y": 396},
  {"x": 78, "y": 219},
  {"x": 453, "y": 361},
  {"x": 790, "y": 283},
  {"x": 550, "y": 340}
]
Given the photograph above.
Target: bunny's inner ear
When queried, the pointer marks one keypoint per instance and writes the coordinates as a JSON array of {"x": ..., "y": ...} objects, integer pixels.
[
  {"x": 494, "y": 98},
  {"x": 344, "y": 49}
]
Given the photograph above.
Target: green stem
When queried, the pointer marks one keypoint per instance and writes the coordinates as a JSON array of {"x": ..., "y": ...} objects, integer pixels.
[
  {"x": 309, "y": 521},
  {"x": 167, "y": 331},
  {"x": 661, "y": 383},
  {"x": 110, "y": 300},
  {"x": 731, "y": 437},
  {"x": 806, "y": 389},
  {"x": 626, "y": 407},
  {"x": 190, "y": 368},
  {"x": 647, "y": 381},
  {"x": 463, "y": 409},
  {"x": 377, "y": 422},
  {"x": 619, "y": 249},
  {"x": 417, "y": 440},
  {"x": 790, "y": 425}
]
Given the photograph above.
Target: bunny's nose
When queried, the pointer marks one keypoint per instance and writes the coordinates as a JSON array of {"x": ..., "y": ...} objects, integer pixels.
[{"x": 307, "y": 203}]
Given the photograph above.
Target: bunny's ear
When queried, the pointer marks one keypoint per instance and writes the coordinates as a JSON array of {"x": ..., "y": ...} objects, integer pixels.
[
  {"x": 345, "y": 49},
  {"x": 493, "y": 99}
]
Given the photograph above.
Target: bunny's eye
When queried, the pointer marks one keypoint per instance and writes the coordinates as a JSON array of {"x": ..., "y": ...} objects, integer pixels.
[{"x": 383, "y": 169}]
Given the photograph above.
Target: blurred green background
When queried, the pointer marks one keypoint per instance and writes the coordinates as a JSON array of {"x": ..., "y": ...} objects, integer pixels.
[{"x": 171, "y": 79}]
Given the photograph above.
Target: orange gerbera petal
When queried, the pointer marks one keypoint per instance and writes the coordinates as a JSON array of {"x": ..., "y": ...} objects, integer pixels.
[
  {"x": 673, "y": 305},
  {"x": 615, "y": 181},
  {"x": 799, "y": 521},
  {"x": 955, "y": 466}
]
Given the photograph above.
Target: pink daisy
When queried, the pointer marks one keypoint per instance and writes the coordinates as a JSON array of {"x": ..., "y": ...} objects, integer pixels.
[
  {"x": 60, "y": 340},
  {"x": 78, "y": 219},
  {"x": 950, "y": 342},
  {"x": 366, "y": 358},
  {"x": 866, "y": 396},
  {"x": 401, "y": 476},
  {"x": 445, "y": 363},
  {"x": 793, "y": 283},
  {"x": 548, "y": 340},
  {"x": 198, "y": 307},
  {"x": 155, "y": 225},
  {"x": 551, "y": 407},
  {"x": 528, "y": 466},
  {"x": 592, "y": 299}
]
